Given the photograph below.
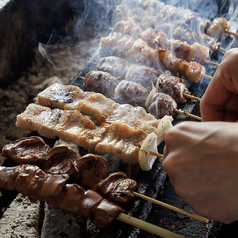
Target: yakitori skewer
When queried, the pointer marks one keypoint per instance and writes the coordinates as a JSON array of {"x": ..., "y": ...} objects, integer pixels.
[
  {"x": 147, "y": 226},
  {"x": 184, "y": 94},
  {"x": 171, "y": 207}
]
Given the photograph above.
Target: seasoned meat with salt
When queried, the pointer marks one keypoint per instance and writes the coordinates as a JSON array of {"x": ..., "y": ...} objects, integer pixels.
[
  {"x": 161, "y": 104},
  {"x": 130, "y": 92},
  {"x": 218, "y": 28},
  {"x": 116, "y": 66},
  {"x": 173, "y": 86},
  {"x": 144, "y": 75},
  {"x": 97, "y": 106},
  {"x": 100, "y": 82},
  {"x": 127, "y": 27},
  {"x": 70, "y": 125}
]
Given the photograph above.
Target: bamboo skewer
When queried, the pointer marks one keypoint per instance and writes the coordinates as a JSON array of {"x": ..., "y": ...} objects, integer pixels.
[
  {"x": 187, "y": 114},
  {"x": 222, "y": 49},
  {"x": 171, "y": 207},
  {"x": 211, "y": 62},
  {"x": 147, "y": 226},
  {"x": 191, "y": 96},
  {"x": 232, "y": 33},
  {"x": 207, "y": 76},
  {"x": 179, "y": 111}
]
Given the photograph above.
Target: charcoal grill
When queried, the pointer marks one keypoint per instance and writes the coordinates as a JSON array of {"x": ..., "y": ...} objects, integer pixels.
[{"x": 153, "y": 183}]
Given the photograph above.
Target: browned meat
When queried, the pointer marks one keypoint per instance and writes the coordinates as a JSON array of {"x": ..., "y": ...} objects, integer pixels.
[
  {"x": 130, "y": 92},
  {"x": 144, "y": 75},
  {"x": 106, "y": 213},
  {"x": 73, "y": 98},
  {"x": 100, "y": 82},
  {"x": 149, "y": 36},
  {"x": 116, "y": 66},
  {"x": 190, "y": 70},
  {"x": 160, "y": 104},
  {"x": 32, "y": 150},
  {"x": 140, "y": 52},
  {"x": 127, "y": 27},
  {"x": 97, "y": 106},
  {"x": 173, "y": 86},
  {"x": 118, "y": 187},
  {"x": 33, "y": 182},
  {"x": 70, "y": 125},
  {"x": 92, "y": 169},
  {"x": 218, "y": 28},
  {"x": 62, "y": 160},
  {"x": 117, "y": 43}
]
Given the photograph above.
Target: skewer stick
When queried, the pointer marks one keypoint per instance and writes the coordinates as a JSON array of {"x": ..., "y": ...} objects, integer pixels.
[
  {"x": 232, "y": 33},
  {"x": 156, "y": 154},
  {"x": 147, "y": 226},
  {"x": 187, "y": 114},
  {"x": 222, "y": 49},
  {"x": 171, "y": 207},
  {"x": 179, "y": 111},
  {"x": 211, "y": 62},
  {"x": 207, "y": 76},
  {"x": 191, "y": 96}
]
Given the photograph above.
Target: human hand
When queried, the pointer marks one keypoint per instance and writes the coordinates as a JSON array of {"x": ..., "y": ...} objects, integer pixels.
[
  {"x": 220, "y": 100},
  {"x": 201, "y": 160}
]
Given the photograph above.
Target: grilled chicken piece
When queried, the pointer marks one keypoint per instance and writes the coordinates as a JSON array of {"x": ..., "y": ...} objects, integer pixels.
[
  {"x": 144, "y": 75},
  {"x": 218, "y": 28},
  {"x": 116, "y": 66},
  {"x": 70, "y": 125},
  {"x": 160, "y": 105},
  {"x": 128, "y": 27},
  {"x": 100, "y": 82},
  {"x": 30, "y": 150},
  {"x": 117, "y": 43},
  {"x": 130, "y": 92},
  {"x": 118, "y": 187},
  {"x": 97, "y": 106},
  {"x": 173, "y": 86},
  {"x": 33, "y": 182}
]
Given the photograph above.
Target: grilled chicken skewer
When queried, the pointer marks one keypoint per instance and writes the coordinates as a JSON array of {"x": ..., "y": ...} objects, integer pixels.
[
  {"x": 161, "y": 104},
  {"x": 135, "y": 94},
  {"x": 195, "y": 52},
  {"x": 115, "y": 186},
  {"x": 146, "y": 76},
  {"x": 176, "y": 21},
  {"x": 140, "y": 52},
  {"x": 116, "y": 137},
  {"x": 33, "y": 182}
]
